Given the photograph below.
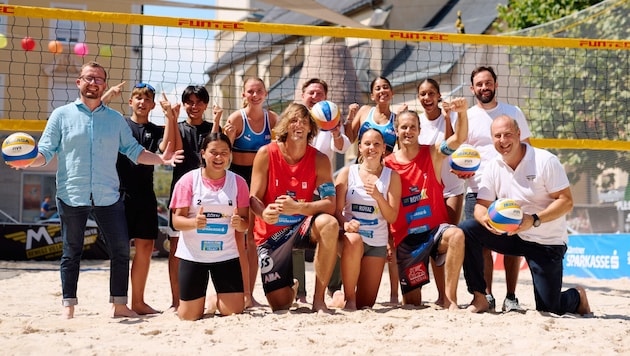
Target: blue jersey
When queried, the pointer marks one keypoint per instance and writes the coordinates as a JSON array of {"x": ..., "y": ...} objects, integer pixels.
[
  {"x": 389, "y": 134},
  {"x": 250, "y": 141}
]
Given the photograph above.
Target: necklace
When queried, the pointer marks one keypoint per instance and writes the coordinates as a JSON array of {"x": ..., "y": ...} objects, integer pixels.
[{"x": 373, "y": 171}]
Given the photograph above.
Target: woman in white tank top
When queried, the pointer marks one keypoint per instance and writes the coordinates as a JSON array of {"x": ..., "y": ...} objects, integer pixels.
[{"x": 368, "y": 198}]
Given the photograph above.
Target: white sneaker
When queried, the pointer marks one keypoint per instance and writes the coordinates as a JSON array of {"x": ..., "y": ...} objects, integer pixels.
[{"x": 512, "y": 305}]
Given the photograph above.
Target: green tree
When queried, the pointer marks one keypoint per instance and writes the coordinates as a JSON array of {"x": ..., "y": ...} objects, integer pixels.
[
  {"x": 517, "y": 15},
  {"x": 575, "y": 93}
]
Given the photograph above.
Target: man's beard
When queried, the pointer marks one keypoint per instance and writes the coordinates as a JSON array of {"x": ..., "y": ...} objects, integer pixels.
[{"x": 486, "y": 99}]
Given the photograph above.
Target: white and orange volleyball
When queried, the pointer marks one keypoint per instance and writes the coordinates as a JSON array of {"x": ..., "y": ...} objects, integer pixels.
[
  {"x": 326, "y": 114},
  {"x": 19, "y": 149},
  {"x": 465, "y": 159},
  {"x": 505, "y": 215}
]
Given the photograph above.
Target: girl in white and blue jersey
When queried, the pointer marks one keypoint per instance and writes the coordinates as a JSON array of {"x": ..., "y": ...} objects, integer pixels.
[{"x": 368, "y": 197}]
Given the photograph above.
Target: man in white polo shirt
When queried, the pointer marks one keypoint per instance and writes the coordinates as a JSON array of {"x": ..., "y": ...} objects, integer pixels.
[{"x": 536, "y": 180}]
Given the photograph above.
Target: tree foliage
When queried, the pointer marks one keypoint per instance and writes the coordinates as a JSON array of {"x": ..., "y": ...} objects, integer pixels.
[
  {"x": 520, "y": 14},
  {"x": 575, "y": 93}
]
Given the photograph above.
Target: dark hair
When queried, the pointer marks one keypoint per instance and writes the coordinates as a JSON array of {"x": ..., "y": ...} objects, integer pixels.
[
  {"x": 212, "y": 137},
  {"x": 359, "y": 155},
  {"x": 215, "y": 136},
  {"x": 382, "y": 78},
  {"x": 430, "y": 81},
  {"x": 198, "y": 90},
  {"x": 371, "y": 129},
  {"x": 482, "y": 69},
  {"x": 315, "y": 81},
  {"x": 93, "y": 64}
]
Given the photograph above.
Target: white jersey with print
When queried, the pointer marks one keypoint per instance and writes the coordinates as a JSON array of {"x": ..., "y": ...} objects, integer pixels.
[
  {"x": 363, "y": 208},
  {"x": 432, "y": 131},
  {"x": 480, "y": 137},
  {"x": 216, "y": 242}
]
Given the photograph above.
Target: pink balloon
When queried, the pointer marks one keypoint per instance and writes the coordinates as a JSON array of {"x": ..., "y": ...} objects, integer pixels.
[{"x": 81, "y": 49}]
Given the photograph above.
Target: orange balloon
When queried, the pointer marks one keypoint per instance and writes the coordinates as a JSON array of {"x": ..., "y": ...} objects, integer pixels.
[{"x": 55, "y": 47}]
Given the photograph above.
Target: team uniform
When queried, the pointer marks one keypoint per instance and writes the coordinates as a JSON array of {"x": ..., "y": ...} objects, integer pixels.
[
  {"x": 388, "y": 131},
  {"x": 421, "y": 220},
  {"x": 212, "y": 249},
  {"x": 433, "y": 131},
  {"x": 538, "y": 174},
  {"x": 250, "y": 141},
  {"x": 480, "y": 137},
  {"x": 362, "y": 207},
  {"x": 136, "y": 183},
  {"x": 192, "y": 135},
  {"x": 275, "y": 242}
]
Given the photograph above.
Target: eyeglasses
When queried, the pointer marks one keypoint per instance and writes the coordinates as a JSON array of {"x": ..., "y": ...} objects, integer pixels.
[
  {"x": 222, "y": 154},
  {"x": 145, "y": 85},
  {"x": 95, "y": 80}
]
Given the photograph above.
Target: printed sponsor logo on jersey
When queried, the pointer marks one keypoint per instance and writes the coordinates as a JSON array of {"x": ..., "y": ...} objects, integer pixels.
[
  {"x": 367, "y": 233},
  {"x": 363, "y": 208},
  {"x": 420, "y": 213},
  {"x": 367, "y": 222},
  {"x": 213, "y": 215},
  {"x": 286, "y": 220},
  {"x": 418, "y": 229},
  {"x": 211, "y": 245},
  {"x": 219, "y": 229},
  {"x": 412, "y": 199}
]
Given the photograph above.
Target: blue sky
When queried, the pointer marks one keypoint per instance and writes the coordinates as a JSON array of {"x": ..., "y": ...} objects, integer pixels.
[{"x": 175, "y": 58}]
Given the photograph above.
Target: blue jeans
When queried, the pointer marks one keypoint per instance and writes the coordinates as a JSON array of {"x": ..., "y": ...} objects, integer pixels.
[
  {"x": 469, "y": 205},
  {"x": 113, "y": 226},
  {"x": 545, "y": 264}
]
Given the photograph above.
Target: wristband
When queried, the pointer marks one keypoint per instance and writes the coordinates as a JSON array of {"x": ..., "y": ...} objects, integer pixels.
[
  {"x": 445, "y": 149},
  {"x": 326, "y": 190}
]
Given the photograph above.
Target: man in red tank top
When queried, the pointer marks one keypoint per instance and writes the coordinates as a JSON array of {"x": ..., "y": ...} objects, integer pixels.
[
  {"x": 422, "y": 228},
  {"x": 285, "y": 175}
]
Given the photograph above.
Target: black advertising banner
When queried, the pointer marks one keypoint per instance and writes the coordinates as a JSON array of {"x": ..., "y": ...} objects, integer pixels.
[{"x": 42, "y": 242}]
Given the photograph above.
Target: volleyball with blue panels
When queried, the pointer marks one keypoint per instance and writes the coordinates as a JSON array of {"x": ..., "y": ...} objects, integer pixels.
[
  {"x": 505, "y": 215},
  {"x": 19, "y": 149},
  {"x": 326, "y": 114},
  {"x": 465, "y": 159}
]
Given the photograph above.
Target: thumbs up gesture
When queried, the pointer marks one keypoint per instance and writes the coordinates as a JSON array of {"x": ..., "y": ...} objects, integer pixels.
[
  {"x": 201, "y": 218},
  {"x": 237, "y": 222}
]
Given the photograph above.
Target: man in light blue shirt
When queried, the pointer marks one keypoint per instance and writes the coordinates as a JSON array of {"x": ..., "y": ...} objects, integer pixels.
[{"x": 86, "y": 136}]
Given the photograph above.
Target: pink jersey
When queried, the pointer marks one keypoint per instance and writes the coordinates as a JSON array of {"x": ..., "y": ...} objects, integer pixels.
[{"x": 183, "y": 191}]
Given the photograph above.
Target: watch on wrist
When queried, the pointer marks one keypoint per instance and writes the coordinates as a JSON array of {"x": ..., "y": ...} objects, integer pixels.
[{"x": 536, "y": 220}]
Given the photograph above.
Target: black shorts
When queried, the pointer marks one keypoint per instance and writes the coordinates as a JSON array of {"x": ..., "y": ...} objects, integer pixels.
[
  {"x": 413, "y": 254},
  {"x": 193, "y": 278},
  {"x": 243, "y": 171},
  {"x": 275, "y": 256},
  {"x": 141, "y": 214}
]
